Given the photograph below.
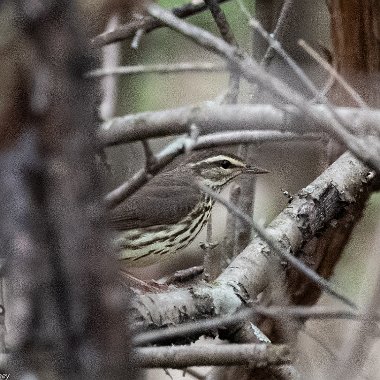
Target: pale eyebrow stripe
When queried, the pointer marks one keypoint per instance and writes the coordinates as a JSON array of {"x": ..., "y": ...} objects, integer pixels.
[{"x": 221, "y": 157}]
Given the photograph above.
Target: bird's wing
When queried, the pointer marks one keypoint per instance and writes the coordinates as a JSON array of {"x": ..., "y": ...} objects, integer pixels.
[{"x": 165, "y": 202}]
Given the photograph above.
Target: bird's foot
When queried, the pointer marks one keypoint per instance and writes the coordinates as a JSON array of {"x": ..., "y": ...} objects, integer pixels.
[
  {"x": 208, "y": 245},
  {"x": 288, "y": 195}
]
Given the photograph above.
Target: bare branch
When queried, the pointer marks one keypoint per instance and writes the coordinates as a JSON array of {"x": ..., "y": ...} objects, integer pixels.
[
  {"x": 199, "y": 327},
  {"x": 184, "y": 275},
  {"x": 211, "y": 118},
  {"x": 117, "y": 195},
  {"x": 137, "y": 38},
  {"x": 111, "y": 59},
  {"x": 368, "y": 152},
  {"x": 247, "y": 185},
  {"x": 146, "y": 24},
  {"x": 211, "y": 260},
  {"x": 204, "y": 326},
  {"x": 228, "y": 248},
  {"x": 278, "y": 32},
  {"x": 150, "y": 158},
  {"x": 275, "y": 44},
  {"x": 276, "y": 247},
  {"x": 331, "y": 70},
  {"x": 254, "y": 355},
  {"x": 311, "y": 312},
  {"x": 194, "y": 373},
  {"x": 159, "y": 69},
  {"x": 228, "y": 36}
]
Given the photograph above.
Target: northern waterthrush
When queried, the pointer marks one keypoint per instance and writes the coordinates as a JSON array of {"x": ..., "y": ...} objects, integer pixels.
[{"x": 168, "y": 213}]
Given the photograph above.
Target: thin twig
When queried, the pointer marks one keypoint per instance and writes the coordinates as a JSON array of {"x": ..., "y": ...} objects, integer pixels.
[
  {"x": 275, "y": 45},
  {"x": 137, "y": 38},
  {"x": 227, "y": 250},
  {"x": 311, "y": 312},
  {"x": 249, "y": 137},
  {"x": 275, "y": 312},
  {"x": 228, "y": 36},
  {"x": 320, "y": 342},
  {"x": 191, "y": 328},
  {"x": 3, "y": 327},
  {"x": 278, "y": 30},
  {"x": 247, "y": 185},
  {"x": 141, "y": 177},
  {"x": 147, "y": 24},
  {"x": 111, "y": 59},
  {"x": 332, "y": 71},
  {"x": 150, "y": 158},
  {"x": 211, "y": 261},
  {"x": 192, "y": 372},
  {"x": 299, "y": 72},
  {"x": 184, "y": 275},
  {"x": 368, "y": 152},
  {"x": 159, "y": 69},
  {"x": 276, "y": 247}
]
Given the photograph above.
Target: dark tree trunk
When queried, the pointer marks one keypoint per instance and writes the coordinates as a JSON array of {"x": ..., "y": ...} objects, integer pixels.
[{"x": 66, "y": 307}]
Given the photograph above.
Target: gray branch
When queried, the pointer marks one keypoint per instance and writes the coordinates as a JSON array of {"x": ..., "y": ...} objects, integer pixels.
[
  {"x": 254, "y": 355},
  {"x": 211, "y": 118},
  {"x": 196, "y": 67},
  {"x": 146, "y": 24},
  {"x": 204, "y": 326}
]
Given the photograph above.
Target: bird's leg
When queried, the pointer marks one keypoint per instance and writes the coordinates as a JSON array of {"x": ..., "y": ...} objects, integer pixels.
[
  {"x": 287, "y": 195},
  {"x": 208, "y": 245}
]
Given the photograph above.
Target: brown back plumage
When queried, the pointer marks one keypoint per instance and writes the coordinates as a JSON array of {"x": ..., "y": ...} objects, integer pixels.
[{"x": 166, "y": 199}]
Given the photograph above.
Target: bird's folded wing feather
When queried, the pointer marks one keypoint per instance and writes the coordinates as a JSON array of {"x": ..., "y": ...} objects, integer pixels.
[{"x": 156, "y": 204}]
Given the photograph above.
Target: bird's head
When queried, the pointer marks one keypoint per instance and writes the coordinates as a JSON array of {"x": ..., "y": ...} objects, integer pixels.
[{"x": 216, "y": 169}]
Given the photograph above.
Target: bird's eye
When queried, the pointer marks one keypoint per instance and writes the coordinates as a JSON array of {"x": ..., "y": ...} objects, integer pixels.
[{"x": 225, "y": 164}]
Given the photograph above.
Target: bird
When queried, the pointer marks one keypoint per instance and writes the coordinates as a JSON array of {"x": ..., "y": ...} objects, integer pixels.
[{"x": 166, "y": 214}]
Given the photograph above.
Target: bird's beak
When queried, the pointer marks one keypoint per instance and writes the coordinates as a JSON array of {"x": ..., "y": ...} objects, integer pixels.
[{"x": 253, "y": 170}]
